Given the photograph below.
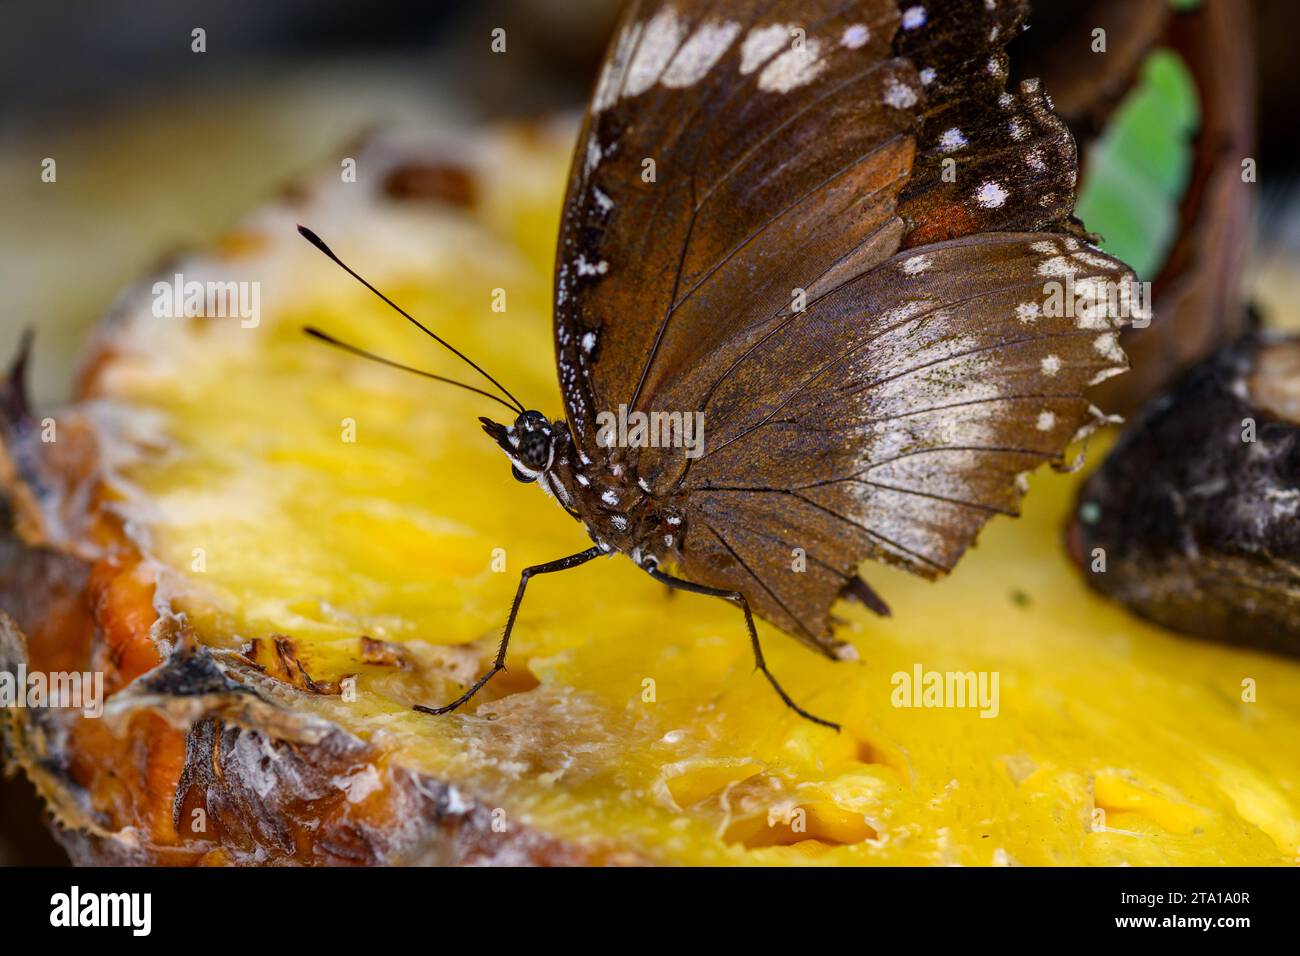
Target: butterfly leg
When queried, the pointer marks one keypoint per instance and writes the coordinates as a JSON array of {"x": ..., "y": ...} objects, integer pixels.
[
  {"x": 563, "y": 564},
  {"x": 735, "y": 597}
]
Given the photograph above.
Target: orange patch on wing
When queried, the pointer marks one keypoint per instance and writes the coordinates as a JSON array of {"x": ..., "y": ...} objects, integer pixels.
[{"x": 943, "y": 222}]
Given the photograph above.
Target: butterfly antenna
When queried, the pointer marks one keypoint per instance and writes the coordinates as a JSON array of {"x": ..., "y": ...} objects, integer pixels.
[
  {"x": 330, "y": 340},
  {"x": 319, "y": 243}
]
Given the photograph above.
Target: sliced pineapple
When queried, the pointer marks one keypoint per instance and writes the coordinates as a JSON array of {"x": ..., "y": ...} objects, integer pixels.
[{"x": 284, "y": 548}]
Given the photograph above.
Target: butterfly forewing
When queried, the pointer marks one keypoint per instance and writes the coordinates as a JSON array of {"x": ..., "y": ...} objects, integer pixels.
[
  {"x": 989, "y": 159},
  {"x": 698, "y": 196}
]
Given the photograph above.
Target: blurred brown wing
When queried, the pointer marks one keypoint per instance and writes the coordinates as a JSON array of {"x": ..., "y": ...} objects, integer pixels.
[
  {"x": 1061, "y": 51},
  {"x": 1200, "y": 302}
]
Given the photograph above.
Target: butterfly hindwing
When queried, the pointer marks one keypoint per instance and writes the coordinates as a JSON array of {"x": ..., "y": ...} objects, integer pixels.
[{"x": 899, "y": 437}]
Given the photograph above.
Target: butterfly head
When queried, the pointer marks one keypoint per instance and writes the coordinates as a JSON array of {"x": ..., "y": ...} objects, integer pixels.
[{"x": 529, "y": 443}]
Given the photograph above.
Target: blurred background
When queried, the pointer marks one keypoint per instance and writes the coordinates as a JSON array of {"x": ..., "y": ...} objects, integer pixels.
[{"x": 159, "y": 147}]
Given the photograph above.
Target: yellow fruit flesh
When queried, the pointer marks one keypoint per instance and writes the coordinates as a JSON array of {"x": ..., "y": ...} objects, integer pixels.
[{"x": 632, "y": 714}]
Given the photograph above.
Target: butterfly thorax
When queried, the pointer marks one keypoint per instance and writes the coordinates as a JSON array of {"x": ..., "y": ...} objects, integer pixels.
[{"x": 620, "y": 511}]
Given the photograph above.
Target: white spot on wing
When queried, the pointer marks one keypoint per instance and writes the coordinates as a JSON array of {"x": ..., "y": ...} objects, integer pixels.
[
  {"x": 906, "y": 311},
  {"x": 916, "y": 265},
  {"x": 991, "y": 195},
  {"x": 1092, "y": 302},
  {"x": 899, "y": 95},
  {"x": 1094, "y": 260},
  {"x": 760, "y": 44},
  {"x": 1058, "y": 266},
  {"x": 585, "y": 268},
  {"x": 611, "y": 77},
  {"x": 1106, "y": 373},
  {"x": 1046, "y": 421},
  {"x": 855, "y": 36},
  {"x": 913, "y": 18},
  {"x": 699, "y": 54},
  {"x": 951, "y": 140},
  {"x": 1107, "y": 346},
  {"x": 792, "y": 69},
  {"x": 1050, "y": 365},
  {"x": 663, "y": 34},
  {"x": 593, "y": 154}
]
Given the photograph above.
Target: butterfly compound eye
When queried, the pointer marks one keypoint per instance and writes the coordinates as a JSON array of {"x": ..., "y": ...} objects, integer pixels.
[
  {"x": 535, "y": 450},
  {"x": 521, "y": 477}
]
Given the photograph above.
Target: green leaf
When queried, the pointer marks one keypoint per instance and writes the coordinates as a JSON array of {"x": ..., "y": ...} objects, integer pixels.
[{"x": 1137, "y": 171}]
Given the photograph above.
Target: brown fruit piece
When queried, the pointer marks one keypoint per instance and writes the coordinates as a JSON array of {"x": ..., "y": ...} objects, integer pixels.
[{"x": 1195, "y": 515}]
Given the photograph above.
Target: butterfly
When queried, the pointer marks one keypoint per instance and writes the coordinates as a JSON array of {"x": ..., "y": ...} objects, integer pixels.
[{"x": 799, "y": 304}]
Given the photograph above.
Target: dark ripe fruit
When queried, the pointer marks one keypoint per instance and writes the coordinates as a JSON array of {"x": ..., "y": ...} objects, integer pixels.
[{"x": 1195, "y": 515}]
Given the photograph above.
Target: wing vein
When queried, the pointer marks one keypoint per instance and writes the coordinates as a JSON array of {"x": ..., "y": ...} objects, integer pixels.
[
  {"x": 672, "y": 308},
  {"x": 857, "y": 348},
  {"x": 761, "y": 583},
  {"x": 835, "y": 514}
]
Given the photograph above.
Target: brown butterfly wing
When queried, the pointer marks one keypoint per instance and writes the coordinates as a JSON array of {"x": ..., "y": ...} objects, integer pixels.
[
  {"x": 922, "y": 390},
  {"x": 774, "y": 170},
  {"x": 988, "y": 160},
  {"x": 769, "y": 164},
  {"x": 779, "y": 178}
]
